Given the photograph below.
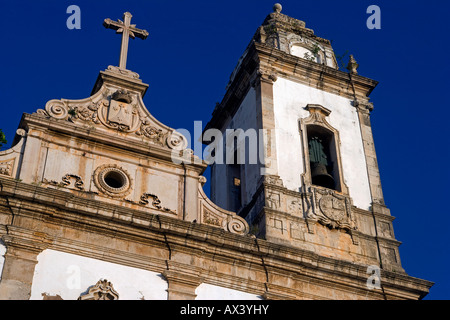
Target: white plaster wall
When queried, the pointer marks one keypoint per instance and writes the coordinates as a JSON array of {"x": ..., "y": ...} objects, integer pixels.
[
  {"x": 69, "y": 275},
  {"x": 290, "y": 99},
  {"x": 210, "y": 292},
  {"x": 2, "y": 258}
]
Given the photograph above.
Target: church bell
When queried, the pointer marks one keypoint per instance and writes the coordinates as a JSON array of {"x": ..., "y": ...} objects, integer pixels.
[{"x": 320, "y": 176}]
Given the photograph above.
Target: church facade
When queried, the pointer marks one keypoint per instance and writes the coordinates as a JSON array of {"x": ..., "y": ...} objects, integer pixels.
[{"x": 99, "y": 200}]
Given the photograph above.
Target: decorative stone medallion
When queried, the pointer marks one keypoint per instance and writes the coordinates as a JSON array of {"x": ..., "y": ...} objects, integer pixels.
[{"x": 112, "y": 180}]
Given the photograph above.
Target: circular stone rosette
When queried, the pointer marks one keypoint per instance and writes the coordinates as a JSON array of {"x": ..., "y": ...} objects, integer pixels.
[{"x": 112, "y": 180}]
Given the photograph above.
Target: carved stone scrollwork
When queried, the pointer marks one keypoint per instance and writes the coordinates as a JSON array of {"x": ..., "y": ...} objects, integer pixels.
[
  {"x": 79, "y": 184},
  {"x": 119, "y": 110},
  {"x": 176, "y": 141},
  {"x": 238, "y": 226},
  {"x": 102, "y": 290},
  {"x": 211, "y": 214},
  {"x": 153, "y": 133},
  {"x": 228, "y": 223},
  {"x": 55, "y": 109},
  {"x": 87, "y": 112},
  {"x": 156, "y": 203}
]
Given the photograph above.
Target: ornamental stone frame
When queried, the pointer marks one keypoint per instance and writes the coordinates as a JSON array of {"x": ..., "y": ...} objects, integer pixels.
[{"x": 317, "y": 117}]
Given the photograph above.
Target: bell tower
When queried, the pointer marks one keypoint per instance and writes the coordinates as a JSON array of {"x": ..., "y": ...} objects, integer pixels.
[{"x": 316, "y": 185}]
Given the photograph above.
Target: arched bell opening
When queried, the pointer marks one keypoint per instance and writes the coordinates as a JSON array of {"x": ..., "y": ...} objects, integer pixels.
[{"x": 322, "y": 153}]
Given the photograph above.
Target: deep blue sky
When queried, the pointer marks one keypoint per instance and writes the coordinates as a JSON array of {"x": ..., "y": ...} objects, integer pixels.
[{"x": 194, "y": 46}]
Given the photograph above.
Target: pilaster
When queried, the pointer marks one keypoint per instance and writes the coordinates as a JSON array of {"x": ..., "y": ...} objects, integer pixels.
[
  {"x": 369, "y": 151},
  {"x": 181, "y": 285},
  {"x": 18, "y": 269},
  {"x": 263, "y": 80}
]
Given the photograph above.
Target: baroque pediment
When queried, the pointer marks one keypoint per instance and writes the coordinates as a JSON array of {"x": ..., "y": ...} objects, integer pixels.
[{"x": 118, "y": 110}]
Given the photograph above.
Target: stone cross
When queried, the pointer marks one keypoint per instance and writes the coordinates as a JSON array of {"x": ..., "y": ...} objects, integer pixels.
[{"x": 127, "y": 30}]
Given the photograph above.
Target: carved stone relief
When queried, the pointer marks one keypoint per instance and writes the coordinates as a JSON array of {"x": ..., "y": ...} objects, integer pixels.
[
  {"x": 385, "y": 229},
  {"x": 333, "y": 209},
  {"x": 213, "y": 215},
  {"x": 66, "y": 180},
  {"x": 6, "y": 167},
  {"x": 102, "y": 290},
  {"x": 212, "y": 219},
  {"x": 295, "y": 206},
  {"x": 273, "y": 200},
  {"x": 156, "y": 203}
]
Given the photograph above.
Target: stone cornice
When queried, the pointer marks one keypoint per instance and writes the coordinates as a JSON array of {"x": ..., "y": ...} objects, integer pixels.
[
  {"x": 40, "y": 123},
  {"x": 314, "y": 74},
  {"x": 123, "y": 78},
  {"x": 57, "y": 209},
  {"x": 273, "y": 63}
]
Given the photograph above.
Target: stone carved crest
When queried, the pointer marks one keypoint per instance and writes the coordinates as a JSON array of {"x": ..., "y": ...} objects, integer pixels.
[
  {"x": 120, "y": 114},
  {"x": 102, "y": 290},
  {"x": 332, "y": 209},
  {"x": 119, "y": 111},
  {"x": 116, "y": 109}
]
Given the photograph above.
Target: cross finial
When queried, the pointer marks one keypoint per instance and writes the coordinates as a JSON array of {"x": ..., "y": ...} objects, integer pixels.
[{"x": 127, "y": 30}]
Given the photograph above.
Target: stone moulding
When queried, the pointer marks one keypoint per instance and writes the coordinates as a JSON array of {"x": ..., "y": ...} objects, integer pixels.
[
  {"x": 230, "y": 253},
  {"x": 325, "y": 206}
]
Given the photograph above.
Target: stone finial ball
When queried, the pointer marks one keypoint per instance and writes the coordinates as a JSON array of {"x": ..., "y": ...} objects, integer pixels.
[{"x": 277, "y": 7}]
